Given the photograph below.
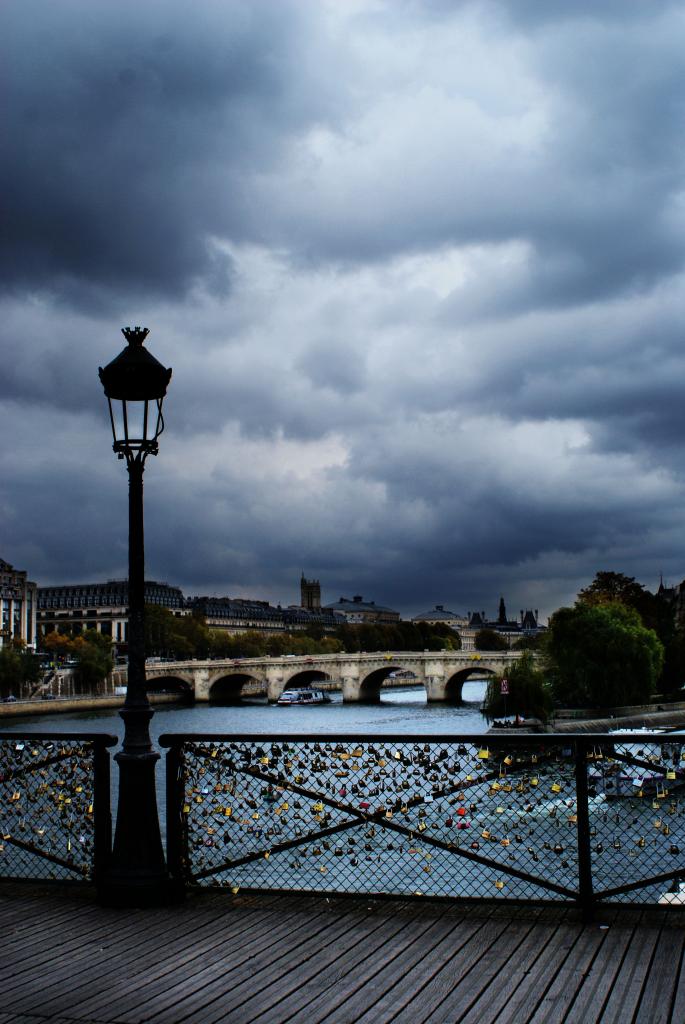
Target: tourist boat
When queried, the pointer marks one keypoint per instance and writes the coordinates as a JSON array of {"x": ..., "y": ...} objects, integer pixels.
[{"x": 303, "y": 695}]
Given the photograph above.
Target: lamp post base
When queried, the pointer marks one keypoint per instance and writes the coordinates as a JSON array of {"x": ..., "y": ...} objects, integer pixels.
[
  {"x": 140, "y": 892},
  {"x": 137, "y": 875}
]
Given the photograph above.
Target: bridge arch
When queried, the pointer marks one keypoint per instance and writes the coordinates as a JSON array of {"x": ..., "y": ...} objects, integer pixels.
[
  {"x": 171, "y": 683},
  {"x": 454, "y": 685},
  {"x": 305, "y": 677},
  {"x": 370, "y": 685},
  {"x": 228, "y": 687}
]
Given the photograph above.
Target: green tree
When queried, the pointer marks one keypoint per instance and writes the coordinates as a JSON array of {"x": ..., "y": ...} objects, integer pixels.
[
  {"x": 58, "y": 645},
  {"x": 93, "y": 652},
  {"x": 529, "y": 643},
  {"x": 673, "y": 674},
  {"x": 490, "y": 640},
  {"x": 601, "y": 655},
  {"x": 397, "y": 636},
  {"x": 176, "y": 636},
  {"x": 180, "y": 637},
  {"x": 159, "y": 628},
  {"x": 17, "y": 667},
  {"x": 529, "y": 694},
  {"x": 192, "y": 629},
  {"x": 655, "y": 612},
  {"x": 612, "y": 588}
]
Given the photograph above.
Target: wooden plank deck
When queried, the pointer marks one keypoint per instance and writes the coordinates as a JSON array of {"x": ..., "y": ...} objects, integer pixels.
[{"x": 274, "y": 959}]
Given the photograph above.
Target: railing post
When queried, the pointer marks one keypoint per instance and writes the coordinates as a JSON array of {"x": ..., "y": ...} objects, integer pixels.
[
  {"x": 586, "y": 899},
  {"x": 102, "y": 808},
  {"x": 175, "y": 792}
]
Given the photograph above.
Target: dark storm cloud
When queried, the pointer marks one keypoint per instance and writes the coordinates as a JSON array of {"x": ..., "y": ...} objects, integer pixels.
[
  {"x": 417, "y": 269},
  {"x": 593, "y": 183},
  {"x": 138, "y": 139},
  {"x": 134, "y": 129}
]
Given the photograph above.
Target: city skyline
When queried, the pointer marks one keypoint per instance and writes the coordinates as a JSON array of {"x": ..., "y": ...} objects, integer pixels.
[
  {"x": 512, "y": 609},
  {"x": 418, "y": 271}
]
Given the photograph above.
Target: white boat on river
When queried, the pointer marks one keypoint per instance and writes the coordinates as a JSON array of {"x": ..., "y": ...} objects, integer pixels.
[{"x": 303, "y": 695}]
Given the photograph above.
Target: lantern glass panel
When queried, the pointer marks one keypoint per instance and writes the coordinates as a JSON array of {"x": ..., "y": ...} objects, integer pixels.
[
  {"x": 137, "y": 422},
  {"x": 136, "y": 425},
  {"x": 117, "y": 416}
]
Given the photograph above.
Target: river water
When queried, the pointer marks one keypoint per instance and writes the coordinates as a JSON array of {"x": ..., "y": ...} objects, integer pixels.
[{"x": 401, "y": 711}]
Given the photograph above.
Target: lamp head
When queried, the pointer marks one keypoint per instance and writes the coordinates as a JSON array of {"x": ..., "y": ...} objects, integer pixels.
[{"x": 135, "y": 384}]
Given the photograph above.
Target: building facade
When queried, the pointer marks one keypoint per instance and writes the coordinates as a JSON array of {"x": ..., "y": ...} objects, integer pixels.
[
  {"x": 101, "y": 606},
  {"x": 18, "y": 606},
  {"x": 240, "y": 615}
]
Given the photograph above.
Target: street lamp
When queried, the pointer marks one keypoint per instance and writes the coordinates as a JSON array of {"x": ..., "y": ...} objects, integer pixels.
[{"x": 135, "y": 384}]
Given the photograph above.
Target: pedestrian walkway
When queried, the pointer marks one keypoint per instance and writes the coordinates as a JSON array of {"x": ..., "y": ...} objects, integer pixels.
[{"x": 274, "y": 959}]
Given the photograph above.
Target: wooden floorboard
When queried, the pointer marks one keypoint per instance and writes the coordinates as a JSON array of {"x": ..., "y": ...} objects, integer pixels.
[
  {"x": 331, "y": 966},
  {"x": 630, "y": 980},
  {"x": 662, "y": 977},
  {"x": 442, "y": 983},
  {"x": 404, "y": 940},
  {"x": 522, "y": 979},
  {"x": 287, "y": 959},
  {"x": 470, "y": 986},
  {"x": 678, "y": 1000},
  {"x": 234, "y": 995},
  {"x": 124, "y": 982},
  {"x": 453, "y": 934},
  {"x": 98, "y": 950},
  {"x": 218, "y": 938},
  {"x": 577, "y": 952},
  {"x": 600, "y": 980},
  {"x": 241, "y": 968},
  {"x": 75, "y": 941}
]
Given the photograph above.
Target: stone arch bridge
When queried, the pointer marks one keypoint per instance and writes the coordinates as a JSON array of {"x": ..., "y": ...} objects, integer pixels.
[{"x": 358, "y": 676}]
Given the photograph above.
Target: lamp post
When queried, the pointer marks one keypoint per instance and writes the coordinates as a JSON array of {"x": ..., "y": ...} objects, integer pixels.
[{"x": 135, "y": 384}]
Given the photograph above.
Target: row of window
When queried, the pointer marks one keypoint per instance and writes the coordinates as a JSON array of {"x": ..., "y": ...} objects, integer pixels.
[{"x": 104, "y": 601}]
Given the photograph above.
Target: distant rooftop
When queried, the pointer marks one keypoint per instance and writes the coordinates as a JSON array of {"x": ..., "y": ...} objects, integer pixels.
[
  {"x": 344, "y": 604},
  {"x": 439, "y": 612}
]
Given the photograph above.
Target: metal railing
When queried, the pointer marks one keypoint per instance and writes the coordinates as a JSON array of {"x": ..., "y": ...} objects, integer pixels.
[
  {"x": 55, "y": 820},
  {"x": 523, "y": 817}
]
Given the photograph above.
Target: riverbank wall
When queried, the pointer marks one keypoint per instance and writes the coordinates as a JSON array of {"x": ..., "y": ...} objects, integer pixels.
[
  {"x": 666, "y": 719},
  {"x": 23, "y": 708},
  {"x": 648, "y": 716}
]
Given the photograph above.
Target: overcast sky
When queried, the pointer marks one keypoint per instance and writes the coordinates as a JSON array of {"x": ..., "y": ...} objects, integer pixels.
[{"x": 418, "y": 267}]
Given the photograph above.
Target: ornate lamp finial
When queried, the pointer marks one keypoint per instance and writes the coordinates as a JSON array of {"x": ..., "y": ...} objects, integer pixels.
[{"x": 135, "y": 335}]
